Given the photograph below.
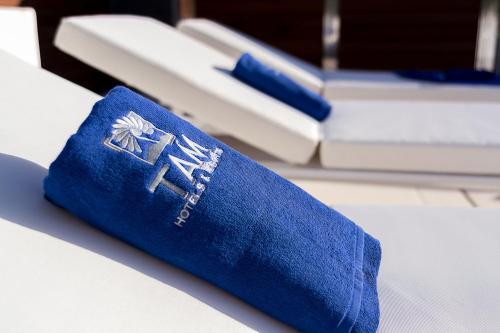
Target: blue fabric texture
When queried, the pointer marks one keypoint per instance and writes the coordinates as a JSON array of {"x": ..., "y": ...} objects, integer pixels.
[
  {"x": 141, "y": 174},
  {"x": 457, "y": 76},
  {"x": 276, "y": 84}
]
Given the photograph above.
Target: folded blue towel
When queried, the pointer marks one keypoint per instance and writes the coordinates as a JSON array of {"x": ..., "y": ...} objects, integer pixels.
[
  {"x": 140, "y": 173},
  {"x": 457, "y": 76},
  {"x": 276, "y": 84}
]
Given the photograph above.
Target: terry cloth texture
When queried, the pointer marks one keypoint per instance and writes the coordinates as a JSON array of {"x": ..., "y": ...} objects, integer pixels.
[
  {"x": 276, "y": 84},
  {"x": 141, "y": 174}
]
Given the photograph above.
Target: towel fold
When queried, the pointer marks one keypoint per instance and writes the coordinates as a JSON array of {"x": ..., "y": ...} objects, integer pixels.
[
  {"x": 457, "y": 76},
  {"x": 276, "y": 84},
  {"x": 140, "y": 173}
]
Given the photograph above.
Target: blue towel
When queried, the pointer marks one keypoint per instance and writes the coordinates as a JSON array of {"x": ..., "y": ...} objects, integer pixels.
[
  {"x": 276, "y": 84},
  {"x": 456, "y": 76},
  {"x": 141, "y": 174}
]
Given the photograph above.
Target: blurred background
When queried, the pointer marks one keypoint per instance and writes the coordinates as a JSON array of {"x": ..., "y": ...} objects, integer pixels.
[{"x": 354, "y": 34}]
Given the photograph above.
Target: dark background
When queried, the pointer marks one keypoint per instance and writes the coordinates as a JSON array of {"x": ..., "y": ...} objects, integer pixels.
[
  {"x": 381, "y": 34},
  {"x": 375, "y": 34},
  {"x": 424, "y": 34}
]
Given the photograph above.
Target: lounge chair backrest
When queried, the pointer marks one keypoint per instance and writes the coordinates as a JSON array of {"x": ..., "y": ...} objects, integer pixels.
[
  {"x": 234, "y": 44},
  {"x": 186, "y": 74}
]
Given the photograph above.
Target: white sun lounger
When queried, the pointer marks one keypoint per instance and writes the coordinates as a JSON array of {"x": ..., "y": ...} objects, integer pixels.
[
  {"x": 335, "y": 85},
  {"x": 18, "y": 33},
  {"x": 46, "y": 90},
  {"x": 437, "y": 273},
  {"x": 437, "y": 137},
  {"x": 184, "y": 73}
]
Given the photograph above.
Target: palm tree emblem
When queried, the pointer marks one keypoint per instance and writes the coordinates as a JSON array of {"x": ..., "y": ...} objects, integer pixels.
[
  {"x": 140, "y": 138},
  {"x": 128, "y": 129}
]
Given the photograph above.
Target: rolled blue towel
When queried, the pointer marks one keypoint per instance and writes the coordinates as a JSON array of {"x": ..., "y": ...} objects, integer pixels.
[
  {"x": 276, "y": 84},
  {"x": 141, "y": 174},
  {"x": 456, "y": 76}
]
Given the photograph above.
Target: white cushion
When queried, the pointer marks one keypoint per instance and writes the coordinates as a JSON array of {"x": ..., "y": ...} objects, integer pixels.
[
  {"x": 183, "y": 73},
  {"x": 335, "y": 85},
  {"x": 372, "y": 85},
  {"x": 18, "y": 33},
  {"x": 413, "y": 136},
  {"x": 39, "y": 110},
  {"x": 315, "y": 171},
  {"x": 439, "y": 270}
]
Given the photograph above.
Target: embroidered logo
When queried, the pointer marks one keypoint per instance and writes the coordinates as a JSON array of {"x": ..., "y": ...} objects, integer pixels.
[{"x": 139, "y": 138}]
